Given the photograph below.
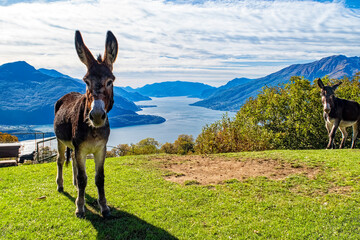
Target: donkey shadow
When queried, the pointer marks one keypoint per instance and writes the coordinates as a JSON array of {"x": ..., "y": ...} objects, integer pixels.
[{"x": 121, "y": 225}]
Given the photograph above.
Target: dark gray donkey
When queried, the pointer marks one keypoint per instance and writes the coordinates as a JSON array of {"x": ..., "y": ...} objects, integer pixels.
[
  {"x": 339, "y": 113},
  {"x": 81, "y": 121}
]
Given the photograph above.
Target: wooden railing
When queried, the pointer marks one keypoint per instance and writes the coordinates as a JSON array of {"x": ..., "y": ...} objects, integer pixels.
[{"x": 44, "y": 153}]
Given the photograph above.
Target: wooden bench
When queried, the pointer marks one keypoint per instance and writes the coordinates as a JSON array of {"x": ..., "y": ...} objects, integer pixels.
[{"x": 9, "y": 150}]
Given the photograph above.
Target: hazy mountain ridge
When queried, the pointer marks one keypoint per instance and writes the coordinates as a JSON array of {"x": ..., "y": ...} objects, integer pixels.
[
  {"x": 28, "y": 97},
  {"x": 132, "y": 96},
  {"x": 231, "y": 99},
  {"x": 175, "y": 89}
]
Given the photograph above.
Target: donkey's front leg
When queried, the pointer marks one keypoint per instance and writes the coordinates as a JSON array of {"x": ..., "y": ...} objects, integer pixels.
[
  {"x": 99, "y": 157},
  {"x": 344, "y": 136},
  {"x": 328, "y": 126},
  {"x": 332, "y": 134},
  {"x": 80, "y": 159}
]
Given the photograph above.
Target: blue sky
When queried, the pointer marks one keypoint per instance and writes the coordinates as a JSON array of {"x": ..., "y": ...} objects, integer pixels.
[
  {"x": 347, "y": 3},
  {"x": 208, "y": 41}
]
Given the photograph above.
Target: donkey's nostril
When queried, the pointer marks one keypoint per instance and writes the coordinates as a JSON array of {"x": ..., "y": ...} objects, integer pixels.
[
  {"x": 91, "y": 117},
  {"x": 103, "y": 116}
]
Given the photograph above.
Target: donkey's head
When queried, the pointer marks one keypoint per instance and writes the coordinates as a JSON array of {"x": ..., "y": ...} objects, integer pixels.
[
  {"x": 327, "y": 95},
  {"x": 99, "y": 78}
]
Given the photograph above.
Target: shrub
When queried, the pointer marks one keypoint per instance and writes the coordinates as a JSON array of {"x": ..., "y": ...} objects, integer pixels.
[
  {"x": 288, "y": 116},
  {"x": 110, "y": 154},
  {"x": 232, "y": 135},
  {"x": 7, "y": 138},
  {"x": 47, "y": 154},
  {"x": 120, "y": 150},
  {"x": 168, "y": 148},
  {"x": 145, "y": 146},
  {"x": 184, "y": 144}
]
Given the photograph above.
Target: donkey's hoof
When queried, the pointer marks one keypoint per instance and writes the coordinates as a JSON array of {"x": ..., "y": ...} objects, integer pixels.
[
  {"x": 80, "y": 214},
  {"x": 106, "y": 214},
  {"x": 60, "y": 189}
]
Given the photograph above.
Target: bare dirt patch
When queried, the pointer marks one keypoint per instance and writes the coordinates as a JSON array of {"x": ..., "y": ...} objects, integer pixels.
[
  {"x": 214, "y": 170},
  {"x": 345, "y": 190}
]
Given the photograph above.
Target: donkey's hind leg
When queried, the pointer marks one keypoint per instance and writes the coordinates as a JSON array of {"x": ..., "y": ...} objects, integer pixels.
[
  {"x": 355, "y": 134},
  {"x": 60, "y": 163},
  {"x": 344, "y": 136},
  {"x": 332, "y": 134}
]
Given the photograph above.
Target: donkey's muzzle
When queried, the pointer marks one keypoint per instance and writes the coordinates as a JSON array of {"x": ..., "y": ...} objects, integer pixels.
[{"x": 97, "y": 113}]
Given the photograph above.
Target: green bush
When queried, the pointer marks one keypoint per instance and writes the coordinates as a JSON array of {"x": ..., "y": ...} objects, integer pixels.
[
  {"x": 168, "y": 148},
  {"x": 288, "y": 116},
  {"x": 184, "y": 144},
  {"x": 7, "y": 138},
  {"x": 47, "y": 154},
  {"x": 232, "y": 135},
  {"x": 146, "y": 146}
]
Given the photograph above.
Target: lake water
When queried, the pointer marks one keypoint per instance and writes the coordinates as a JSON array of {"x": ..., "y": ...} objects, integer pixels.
[{"x": 181, "y": 118}]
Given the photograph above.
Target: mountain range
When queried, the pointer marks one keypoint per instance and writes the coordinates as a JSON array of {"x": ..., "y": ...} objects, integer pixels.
[
  {"x": 28, "y": 94},
  {"x": 233, "y": 95},
  {"x": 28, "y": 97},
  {"x": 175, "y": 89}
]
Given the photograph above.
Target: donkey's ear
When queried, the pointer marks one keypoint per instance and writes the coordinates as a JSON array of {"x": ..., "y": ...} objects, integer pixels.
[
  {"x": 320, "y": 83},
  {"x": 83, "y": 52},
  {"x": 336, "y": 85},
  {"x": 111, "y": 49}
]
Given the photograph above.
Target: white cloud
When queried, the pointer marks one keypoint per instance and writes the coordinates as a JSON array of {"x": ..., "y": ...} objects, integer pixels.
[{"x": 211, "y": 42}]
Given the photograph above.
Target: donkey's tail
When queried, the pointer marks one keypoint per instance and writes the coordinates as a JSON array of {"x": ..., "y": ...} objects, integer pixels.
[{"x": 68, "y": 155}]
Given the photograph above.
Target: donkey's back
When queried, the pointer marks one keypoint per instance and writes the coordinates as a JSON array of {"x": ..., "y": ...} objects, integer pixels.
[
  {"x": 349, "y": 111},
  {"x": 66, "y": 111},
  {"x": 68, "y": 100}
]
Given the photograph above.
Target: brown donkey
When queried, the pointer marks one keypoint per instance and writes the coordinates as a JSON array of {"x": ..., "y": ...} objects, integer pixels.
[
  {"x": 81, "y": 122},
  {"x": 339, "y": 113}
]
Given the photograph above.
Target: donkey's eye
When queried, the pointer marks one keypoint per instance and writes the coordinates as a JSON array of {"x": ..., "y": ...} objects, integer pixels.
[{"x": 109, "y": 83}]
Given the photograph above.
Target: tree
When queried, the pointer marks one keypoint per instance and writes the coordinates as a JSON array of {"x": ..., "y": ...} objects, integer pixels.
[
  {"x": 168, "y": 148},
  {"x": 123, "y": 149},
  {"x": 146, "y": 146},
  {"x": 184, "y": 144},
  {"x": 288, "y": 116},
  {"x": 7, "y": 138}
]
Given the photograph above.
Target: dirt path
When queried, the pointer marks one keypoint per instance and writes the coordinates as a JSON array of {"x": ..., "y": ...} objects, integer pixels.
[{"x": 214, "y": 170}]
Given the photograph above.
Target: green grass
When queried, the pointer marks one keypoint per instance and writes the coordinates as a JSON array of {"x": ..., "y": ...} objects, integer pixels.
[{"x": 145, "y": 206}]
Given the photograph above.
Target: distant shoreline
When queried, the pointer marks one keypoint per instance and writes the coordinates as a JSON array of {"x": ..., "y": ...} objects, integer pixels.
[{"x": 146, "y": 106}]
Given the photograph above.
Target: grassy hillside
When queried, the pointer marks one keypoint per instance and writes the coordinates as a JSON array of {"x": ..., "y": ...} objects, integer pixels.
[{"x": 318, "y": 198}]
